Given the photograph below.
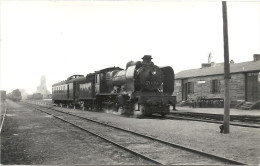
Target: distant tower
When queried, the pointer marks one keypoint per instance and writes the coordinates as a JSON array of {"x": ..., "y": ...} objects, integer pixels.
[{"x": 42, "y": 88}]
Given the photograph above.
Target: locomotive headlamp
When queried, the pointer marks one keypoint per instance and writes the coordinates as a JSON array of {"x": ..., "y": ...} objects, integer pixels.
[{"x": 154, "y": 72}]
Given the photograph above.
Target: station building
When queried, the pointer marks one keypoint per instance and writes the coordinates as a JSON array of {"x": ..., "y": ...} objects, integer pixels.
[{"x": 208, "y": 82}]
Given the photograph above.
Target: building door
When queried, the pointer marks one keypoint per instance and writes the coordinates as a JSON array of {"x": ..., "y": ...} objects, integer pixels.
[
  {"x": 253, "y": 86},
  {"x": 186, "y": 91}
]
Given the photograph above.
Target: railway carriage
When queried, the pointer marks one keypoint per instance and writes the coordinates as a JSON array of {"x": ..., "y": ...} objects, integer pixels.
[
  {"x": 67, "y": 92},
  {"x": 142, "y": 89}
]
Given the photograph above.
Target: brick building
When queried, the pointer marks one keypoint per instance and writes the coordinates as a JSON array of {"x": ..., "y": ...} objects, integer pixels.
[{"x": 208, "y": 81}]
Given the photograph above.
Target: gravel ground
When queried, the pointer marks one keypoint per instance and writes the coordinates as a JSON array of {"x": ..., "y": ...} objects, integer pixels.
[
  {"x": 241, "y": 144},
  {"x": 161, "y": 152},
  {"x": 34, "y": 138}
]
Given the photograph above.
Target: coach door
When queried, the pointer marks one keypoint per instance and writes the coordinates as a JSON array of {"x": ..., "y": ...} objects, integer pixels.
[
  {"x": 97, "y": 83},
  {"x": 68, "y": 92}
]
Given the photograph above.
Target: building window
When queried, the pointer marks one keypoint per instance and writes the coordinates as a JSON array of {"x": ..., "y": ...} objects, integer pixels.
[
  {"x": 97, "y": 78},
  {"x": 201, "y": 82},
  {"x": 215, "y": 86},
  {"x": 190, "y": 87}
]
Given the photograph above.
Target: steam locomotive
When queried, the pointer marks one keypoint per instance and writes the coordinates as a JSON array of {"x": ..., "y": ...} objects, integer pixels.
[
  {"x": 15, "y": 95},
  {"x": 141, "y": 89}
]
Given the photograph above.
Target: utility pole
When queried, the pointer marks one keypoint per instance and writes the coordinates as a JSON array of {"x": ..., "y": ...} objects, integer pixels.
[{"x": 226, "y": 69}]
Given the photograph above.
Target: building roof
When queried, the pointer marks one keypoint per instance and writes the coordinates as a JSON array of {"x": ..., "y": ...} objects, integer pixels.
[{"x": 218, "y": 69}]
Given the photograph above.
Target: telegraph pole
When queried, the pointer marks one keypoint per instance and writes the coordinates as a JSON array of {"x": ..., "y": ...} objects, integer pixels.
[{"x": 226, "y": 69}]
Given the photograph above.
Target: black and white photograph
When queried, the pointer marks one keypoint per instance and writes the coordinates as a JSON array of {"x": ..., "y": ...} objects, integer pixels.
[{"x": 129, "y": 82}]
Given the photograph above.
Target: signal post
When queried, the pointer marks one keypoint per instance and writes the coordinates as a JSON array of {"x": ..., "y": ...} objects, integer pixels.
[{"x": 226, "y": 69}]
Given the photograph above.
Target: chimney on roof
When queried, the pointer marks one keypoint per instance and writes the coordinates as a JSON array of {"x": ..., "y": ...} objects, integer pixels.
[
  {"x": 232, "y": 61},
  {"x": 256, "y": 57},
  {"x": 203, "y": 65},
  {"x": 210, "y": 63}
]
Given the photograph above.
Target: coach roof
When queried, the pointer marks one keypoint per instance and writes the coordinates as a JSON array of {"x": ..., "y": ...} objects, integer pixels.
[{"x": 70, "y": 79}]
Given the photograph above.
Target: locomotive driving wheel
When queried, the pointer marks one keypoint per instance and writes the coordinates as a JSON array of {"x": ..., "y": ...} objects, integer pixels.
[{"x": 165, "y": 110}]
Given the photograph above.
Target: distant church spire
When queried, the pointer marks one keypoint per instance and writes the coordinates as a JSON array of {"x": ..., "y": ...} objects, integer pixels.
[{"x": 43, "y": 88}]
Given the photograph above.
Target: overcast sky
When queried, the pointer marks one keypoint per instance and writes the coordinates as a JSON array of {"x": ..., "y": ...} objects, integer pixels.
[{"x": 62, "y": 38}]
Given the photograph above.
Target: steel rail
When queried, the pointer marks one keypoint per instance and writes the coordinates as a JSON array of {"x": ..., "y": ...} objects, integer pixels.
[
  {"x": 210, "y": 121},
  {"x": 91, "y": 132},
  {"x": 248, "y": 118},
  {"x": 3, "y": 119},
  {"x": 156, "y": 139}
]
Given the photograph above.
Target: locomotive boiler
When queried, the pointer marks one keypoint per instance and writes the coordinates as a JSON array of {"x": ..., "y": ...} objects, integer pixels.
[{"x": 142, "y": 89}]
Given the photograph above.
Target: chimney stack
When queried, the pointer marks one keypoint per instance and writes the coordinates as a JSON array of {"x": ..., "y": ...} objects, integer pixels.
[
  {"x": 203, "y": 65},
  {"x": 256, "y": 57}
]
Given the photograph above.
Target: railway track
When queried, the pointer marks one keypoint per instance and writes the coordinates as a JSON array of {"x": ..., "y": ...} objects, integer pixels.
[
  {"x": 152, "y": 149},
  {"x": 236, "y": 120},
  {"x": 2, "y": 116}
]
